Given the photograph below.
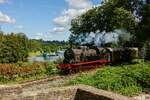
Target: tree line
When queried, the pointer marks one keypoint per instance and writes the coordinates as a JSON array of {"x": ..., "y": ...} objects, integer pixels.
[{"x": 46, "y": 46}]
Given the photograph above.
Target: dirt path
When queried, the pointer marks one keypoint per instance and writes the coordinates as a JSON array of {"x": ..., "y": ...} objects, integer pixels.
[{"x": 55, "y": 81}]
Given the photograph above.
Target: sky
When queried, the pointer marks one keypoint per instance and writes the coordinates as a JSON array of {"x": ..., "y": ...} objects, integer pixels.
[{"x": 42, "y": 19}]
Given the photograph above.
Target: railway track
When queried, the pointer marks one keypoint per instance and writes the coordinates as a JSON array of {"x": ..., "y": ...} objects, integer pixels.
[{"x": 47, "y": 83}]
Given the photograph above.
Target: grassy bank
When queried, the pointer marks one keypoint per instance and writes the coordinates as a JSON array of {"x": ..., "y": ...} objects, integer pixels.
[{"x": 124, "y": 79}]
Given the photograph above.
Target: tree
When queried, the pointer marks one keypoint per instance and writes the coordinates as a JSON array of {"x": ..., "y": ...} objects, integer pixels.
[
  {"x": 13, "y": 48},
  {"x": 114, "y": 14},
  {"x": 111, "y": 15},
  {"x": 143, "y": 29}
]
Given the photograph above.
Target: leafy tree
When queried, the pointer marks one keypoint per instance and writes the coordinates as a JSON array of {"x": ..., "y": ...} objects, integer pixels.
[
  {"x": 13, "y": 48},
  {"x": 130, "y": 15},
  {"x": 143, "y": 30},
  {"x": 108, "y": 17}
]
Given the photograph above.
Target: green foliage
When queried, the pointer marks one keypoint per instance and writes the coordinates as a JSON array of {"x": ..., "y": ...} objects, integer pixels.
[
  {"x": 43, "y": 46},
  {"x": 13, "y": 47},
  {"x": 16, "y": 47},
  {"x": 125, "y": 79},
  {"x": 143, "y": 28},
  {"x": 123, "y": 19},
  {"x": 34, "y": 46},
  {"x": 111, "y": 15},
  {"x": 108, "y": 17},
  {"x": 131, "y": 15},
  {"x": 88, "y": 80},
  {"x": 130, "y": 90},
  {"x": 51, "y": 69}
]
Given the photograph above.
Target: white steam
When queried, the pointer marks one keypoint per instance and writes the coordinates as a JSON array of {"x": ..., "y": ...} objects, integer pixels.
[{"x": 100, "y": 39}]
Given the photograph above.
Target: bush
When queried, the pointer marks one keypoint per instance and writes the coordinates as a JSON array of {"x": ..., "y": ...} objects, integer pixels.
[
  {"x": 51, "y": 69},
  {"x": 125, "y": 79},
  {"x": 24, "y": 71},
  {"x": 13, "y": 48},
  {"x": 130, "y": 90},
  {"x": 8, "y": 71}
]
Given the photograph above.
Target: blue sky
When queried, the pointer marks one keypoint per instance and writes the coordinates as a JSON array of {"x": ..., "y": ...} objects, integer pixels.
[{"x": 46, "y": 19}]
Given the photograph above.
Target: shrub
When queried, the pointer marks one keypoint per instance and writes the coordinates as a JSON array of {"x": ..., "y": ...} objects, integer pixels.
[
  {"x": 51, "y": 69},
  {"x": 13, "y": 48},
  {"x": 8, "y": 71},
  {"x": 21, "y": 71},
  {"x": 130, "y": 90},
  {"x": 124, "y": 79}
]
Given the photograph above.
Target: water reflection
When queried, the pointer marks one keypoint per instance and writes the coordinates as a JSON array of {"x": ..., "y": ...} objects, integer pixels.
[{"x": 47, "y": 57}]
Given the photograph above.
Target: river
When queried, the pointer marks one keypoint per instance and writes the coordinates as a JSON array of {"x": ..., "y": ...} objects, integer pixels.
[{"x": 53, "y": 57}]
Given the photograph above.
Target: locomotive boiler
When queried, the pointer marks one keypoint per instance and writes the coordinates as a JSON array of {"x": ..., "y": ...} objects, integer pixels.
[{"x": 85, "y": 56}]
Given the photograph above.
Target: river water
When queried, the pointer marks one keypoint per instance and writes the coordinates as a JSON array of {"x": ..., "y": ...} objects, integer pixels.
[{"x": 40, "y": 58}]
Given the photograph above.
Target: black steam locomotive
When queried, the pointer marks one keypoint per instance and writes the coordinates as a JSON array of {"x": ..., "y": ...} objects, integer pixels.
[{"x": 85, "y": 56}]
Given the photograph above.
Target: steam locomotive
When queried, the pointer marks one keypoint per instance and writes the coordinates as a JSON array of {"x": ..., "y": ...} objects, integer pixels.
[{"x": 85, "y": 56}]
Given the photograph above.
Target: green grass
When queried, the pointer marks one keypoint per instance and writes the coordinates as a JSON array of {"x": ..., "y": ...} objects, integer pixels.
[
  {"x": 34, "y": 53},
  {"x": 128, "y": 80}
]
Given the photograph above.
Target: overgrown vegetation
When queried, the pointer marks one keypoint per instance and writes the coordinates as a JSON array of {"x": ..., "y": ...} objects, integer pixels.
[
  {"x": 20, "y": 71},
  {"x": 124, "y": 79},
  {"x": 13, "y": 48}
]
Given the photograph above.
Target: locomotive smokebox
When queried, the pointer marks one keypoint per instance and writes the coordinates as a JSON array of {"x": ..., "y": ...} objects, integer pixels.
[{"x": 68, "y": 55}]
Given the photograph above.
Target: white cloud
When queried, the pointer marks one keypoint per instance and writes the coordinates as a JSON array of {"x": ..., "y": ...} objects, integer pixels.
[
  {"x": 76, "y": 8},
  {"x": 57, "y": 30},
  {"x": 61, "y": 21},
  {"x": 6, "y": 19},
  {"x": 72, "y": 13},
  {"x": 79, "y": 4},
  {"x": 3, "y": 1}
]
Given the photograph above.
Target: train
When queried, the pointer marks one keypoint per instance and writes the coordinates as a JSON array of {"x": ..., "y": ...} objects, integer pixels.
[{"x": 83, "y": 57}]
